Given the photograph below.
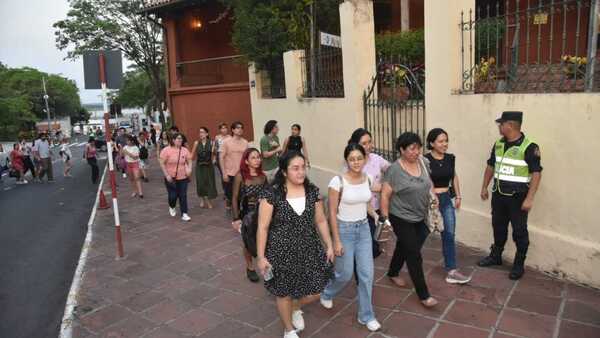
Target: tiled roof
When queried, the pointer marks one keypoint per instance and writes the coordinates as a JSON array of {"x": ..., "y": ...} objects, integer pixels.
[
  {"x": 153, "y": 4},
  {"x": 161, "y": 5}
]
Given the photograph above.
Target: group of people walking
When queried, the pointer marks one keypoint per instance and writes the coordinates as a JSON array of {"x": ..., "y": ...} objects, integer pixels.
[
  {"x": 306, "y": 249},
  {"x": 35, "y": 157}
]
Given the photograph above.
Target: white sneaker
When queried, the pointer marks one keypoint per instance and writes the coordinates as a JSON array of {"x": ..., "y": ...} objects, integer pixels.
[
  {"x": 372, "y": 325},
  {"x": 291, "y": 334},
  {"x": 328, "y": 304},
  {"x": 185, "y": 218},
  {"x": 298, "y": 320},
  {"x": 455, "y": 277},
  {"x": 25, "y": 182},
  {"x": 172, "y": 212},
  {"x": 124, "y": 175}
]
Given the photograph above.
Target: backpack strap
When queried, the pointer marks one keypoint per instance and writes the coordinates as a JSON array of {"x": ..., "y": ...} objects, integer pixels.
[{"x": 341, "y": 178}]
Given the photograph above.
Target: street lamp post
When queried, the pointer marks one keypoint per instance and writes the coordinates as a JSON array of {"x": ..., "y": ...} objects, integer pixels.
[{"x": 46, "y": 101}]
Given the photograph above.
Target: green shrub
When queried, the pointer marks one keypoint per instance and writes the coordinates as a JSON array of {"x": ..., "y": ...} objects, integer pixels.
[{"x": 408, "y": 47}]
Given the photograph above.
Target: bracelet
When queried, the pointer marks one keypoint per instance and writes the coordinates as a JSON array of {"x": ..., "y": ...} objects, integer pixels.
[{"x": 458, "y": 198}]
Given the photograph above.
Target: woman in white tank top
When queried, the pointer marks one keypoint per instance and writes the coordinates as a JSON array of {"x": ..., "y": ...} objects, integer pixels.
[{"x": 349, "y": 202}]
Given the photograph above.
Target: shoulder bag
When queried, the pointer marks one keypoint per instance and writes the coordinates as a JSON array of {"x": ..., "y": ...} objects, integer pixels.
[
  {"x": 434, "y": 219},
  {"x": 173, "y": 184}
]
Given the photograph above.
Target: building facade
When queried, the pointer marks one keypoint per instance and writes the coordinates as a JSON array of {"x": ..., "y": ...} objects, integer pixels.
[{"x": 207, "y": 84}]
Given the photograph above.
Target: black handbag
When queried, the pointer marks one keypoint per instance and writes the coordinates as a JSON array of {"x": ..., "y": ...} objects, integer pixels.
[{"x": 249, "y": 230}]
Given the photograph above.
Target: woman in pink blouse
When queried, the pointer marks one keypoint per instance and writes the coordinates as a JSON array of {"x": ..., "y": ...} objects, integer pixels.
[{"x": 176, "y": 164}]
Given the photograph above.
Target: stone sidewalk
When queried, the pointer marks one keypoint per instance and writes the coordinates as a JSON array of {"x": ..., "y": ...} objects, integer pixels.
[{"x": 187, "y": 279}]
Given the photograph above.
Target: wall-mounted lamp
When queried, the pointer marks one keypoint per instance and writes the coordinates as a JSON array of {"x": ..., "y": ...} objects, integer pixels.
[{"x": 196, "y": 23}]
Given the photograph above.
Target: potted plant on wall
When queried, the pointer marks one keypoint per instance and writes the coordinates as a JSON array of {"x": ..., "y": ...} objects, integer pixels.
[
  {"x": 397, "y": 50},
  {"x": 489, "y": 34},
  {"x": 393, "y": 80},
  {"x": 485, "y": 75},
  {"x": 573, "y": 68}
]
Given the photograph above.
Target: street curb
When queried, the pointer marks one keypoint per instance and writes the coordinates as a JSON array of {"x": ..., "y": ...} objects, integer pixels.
[{"x": 66, "y": 327}]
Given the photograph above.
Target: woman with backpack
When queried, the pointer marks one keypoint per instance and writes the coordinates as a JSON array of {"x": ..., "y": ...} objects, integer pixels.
[
  {"x": 143, "y": 144},
  {"x": 349, "y": 203},
  {"x": 131, "y": 152},
  {"x": 205, "y": 155},
  {"x": 247, "y": 186}
]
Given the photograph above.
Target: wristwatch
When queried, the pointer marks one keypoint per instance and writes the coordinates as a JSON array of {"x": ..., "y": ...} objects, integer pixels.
[{"x": 385, "y": 220}]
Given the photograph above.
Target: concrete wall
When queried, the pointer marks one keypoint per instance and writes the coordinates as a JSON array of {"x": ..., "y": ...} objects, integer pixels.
[
  {"x": 563, "y": 223},
  {"x": 327, "y": 122}
]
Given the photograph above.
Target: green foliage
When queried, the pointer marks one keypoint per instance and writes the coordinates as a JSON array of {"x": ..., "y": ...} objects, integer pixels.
[
  {"x": 264, "y": 30},
  {"x": 409, "y": 46},
  {"x": 22, "y": 103},
  {"x": 488, "y": 33},
  {"x": 115, "y": 25},
  {"x": 136, "y": 91}
]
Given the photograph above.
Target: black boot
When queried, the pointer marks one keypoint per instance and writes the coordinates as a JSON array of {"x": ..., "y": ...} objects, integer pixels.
[
  {"x": 518, "y": 268},
  {"x": 495, "y": 257}
]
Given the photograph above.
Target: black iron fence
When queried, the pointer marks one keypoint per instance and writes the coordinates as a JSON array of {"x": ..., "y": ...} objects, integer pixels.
[
  {"x": 212, "y": 71},
  {"x": 273, "y": 81},
  {"x": 529, "y": 46},
  {"x": 400, "y": 80},
  {"x": 322, "y": 73},
  {"x": 387, "y": 115}
]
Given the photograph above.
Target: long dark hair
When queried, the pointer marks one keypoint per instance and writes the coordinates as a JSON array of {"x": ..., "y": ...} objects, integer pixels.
[
  {"x": 433, "y": 135},
  {"x": 269, "y": 126},
  {"x": 358, "y": 134},
  {"x": 279, "y": 180}
]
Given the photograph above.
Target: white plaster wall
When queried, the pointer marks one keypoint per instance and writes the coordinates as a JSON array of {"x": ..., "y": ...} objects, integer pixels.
[
  {"x": 326, "y": 122},
  {"x": 564, "y": 222}
]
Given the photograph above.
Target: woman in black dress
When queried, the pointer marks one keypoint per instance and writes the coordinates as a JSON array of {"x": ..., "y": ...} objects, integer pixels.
[
  {"x": 288, "y": 243},
  {"x": 296, "y": 142},
  {"x": 247, "y": 188}
]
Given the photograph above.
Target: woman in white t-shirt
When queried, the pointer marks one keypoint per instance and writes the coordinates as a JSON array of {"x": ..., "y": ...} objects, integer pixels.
[
  {"x": 131, "y": 152},
  {"x": 349, "y": 202}
]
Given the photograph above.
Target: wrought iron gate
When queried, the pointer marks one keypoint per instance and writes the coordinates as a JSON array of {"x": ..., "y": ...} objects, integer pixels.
[{"x": 393, "y": 108}]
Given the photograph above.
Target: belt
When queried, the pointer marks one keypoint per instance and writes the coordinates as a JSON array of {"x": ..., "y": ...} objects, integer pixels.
[{"x": 353, "y": 222}]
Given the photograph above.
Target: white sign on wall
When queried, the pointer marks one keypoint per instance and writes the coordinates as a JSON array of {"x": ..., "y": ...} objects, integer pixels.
[{"x": 331, "y": 40}]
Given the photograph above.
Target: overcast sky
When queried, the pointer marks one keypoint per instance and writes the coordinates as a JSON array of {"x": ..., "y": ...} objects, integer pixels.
[{"x": 27, "y": 39}]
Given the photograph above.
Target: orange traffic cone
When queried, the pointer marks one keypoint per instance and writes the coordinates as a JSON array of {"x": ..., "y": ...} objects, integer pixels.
[{"x": 103, "y": 203}]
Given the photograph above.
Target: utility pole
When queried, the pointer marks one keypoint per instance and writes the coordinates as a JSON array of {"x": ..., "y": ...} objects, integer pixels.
[{"x": 46, "y": 101}]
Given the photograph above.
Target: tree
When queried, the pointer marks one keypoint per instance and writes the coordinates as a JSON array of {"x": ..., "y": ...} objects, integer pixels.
[
  {"x": 111, "y": 25},
  {"x": 22, "y": 103},
  {"x": 136, "y": 91},
  {"x": 264, "y": 30}
]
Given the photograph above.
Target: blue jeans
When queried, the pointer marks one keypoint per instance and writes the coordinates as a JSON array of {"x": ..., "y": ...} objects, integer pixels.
[
  {"x": 448, "y": 243},
  {"x": 178, "y": 191},
  {"x": 357, "y": 241}
]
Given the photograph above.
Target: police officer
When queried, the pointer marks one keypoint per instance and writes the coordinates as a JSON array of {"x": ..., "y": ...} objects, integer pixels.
[{"x": 515, "y": 166}]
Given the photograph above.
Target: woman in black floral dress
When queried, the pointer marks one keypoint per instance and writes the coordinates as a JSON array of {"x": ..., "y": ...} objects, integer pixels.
[{"x": 288, "y": 243}]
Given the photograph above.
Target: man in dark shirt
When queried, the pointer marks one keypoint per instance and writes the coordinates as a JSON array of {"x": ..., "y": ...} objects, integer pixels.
[{"x": 515, "y": 165}]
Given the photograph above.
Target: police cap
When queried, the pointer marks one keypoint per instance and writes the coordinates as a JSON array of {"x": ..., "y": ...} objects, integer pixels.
[{"x": 511, "y": 116}]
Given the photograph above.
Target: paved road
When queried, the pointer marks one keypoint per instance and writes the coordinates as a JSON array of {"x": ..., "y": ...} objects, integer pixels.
[{"x": 42, "y": 229}]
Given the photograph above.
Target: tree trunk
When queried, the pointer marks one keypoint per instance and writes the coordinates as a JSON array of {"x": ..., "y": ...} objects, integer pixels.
[{"x": 158, "y": 89}]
